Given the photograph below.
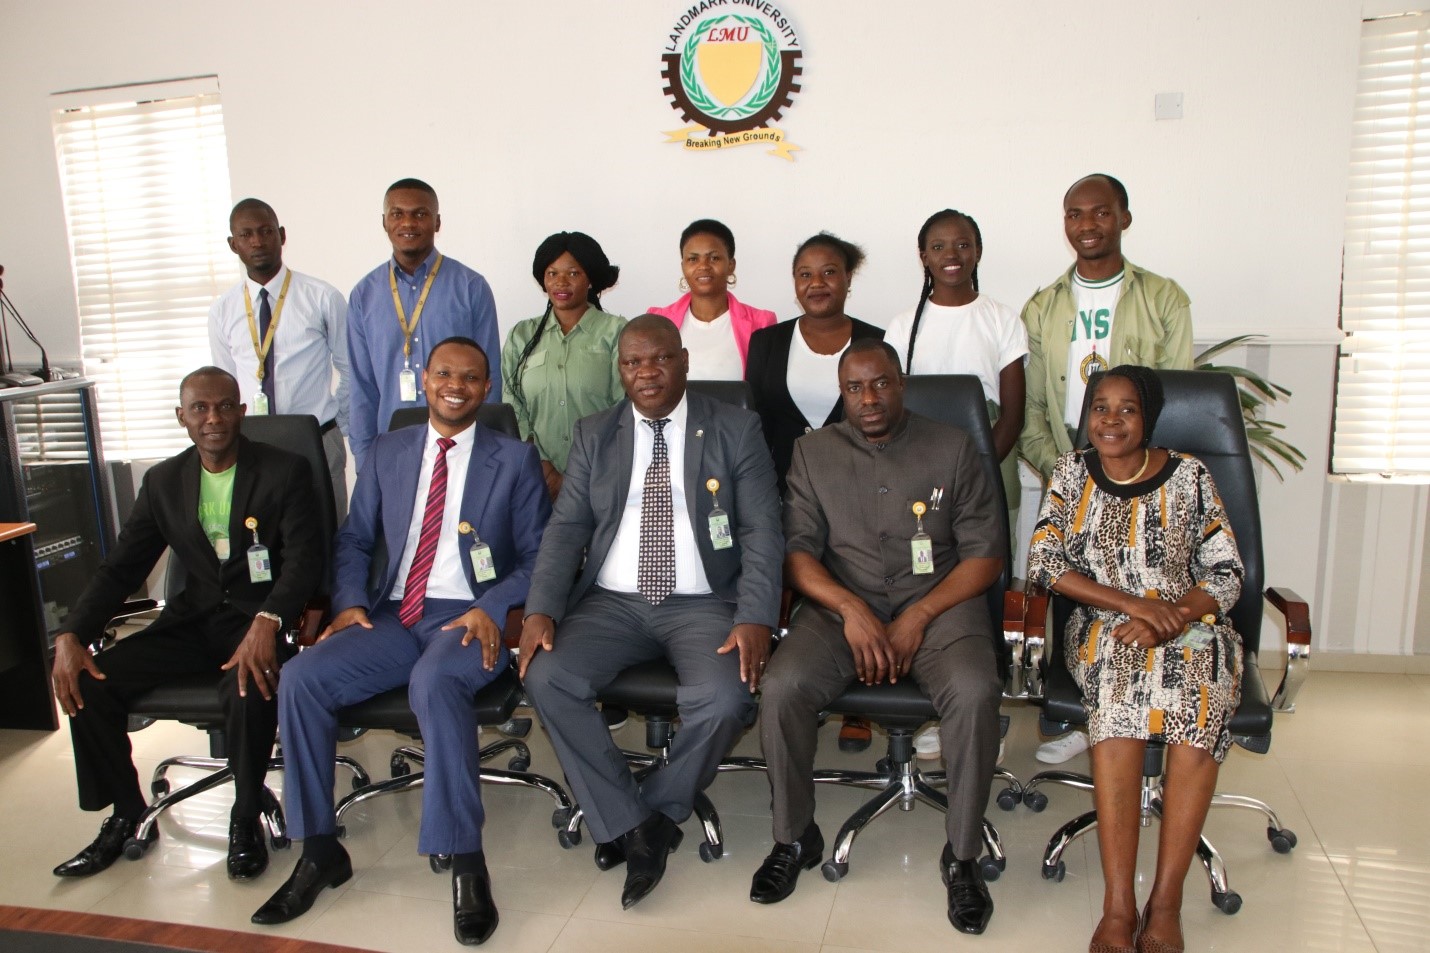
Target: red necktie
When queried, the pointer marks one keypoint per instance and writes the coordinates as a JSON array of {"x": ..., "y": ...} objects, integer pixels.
[{"x": 415, "y": 589}]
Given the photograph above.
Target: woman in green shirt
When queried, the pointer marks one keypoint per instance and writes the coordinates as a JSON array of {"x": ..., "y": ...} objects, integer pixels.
[{"x": 561, "y": 366}]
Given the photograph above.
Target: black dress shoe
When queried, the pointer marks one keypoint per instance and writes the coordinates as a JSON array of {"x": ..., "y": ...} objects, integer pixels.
[
  {"x": 474, "y": 913},
  {"x": 105, "y": 849},
  {"x": 302, "y": 887},
  {"x": 610, "y": 855},
  {"x": 647, "y": 846},
  {"x": 776, "y": 877},
  {"x": 247, "y": 853},
  {"x": 970, "y": 906}
]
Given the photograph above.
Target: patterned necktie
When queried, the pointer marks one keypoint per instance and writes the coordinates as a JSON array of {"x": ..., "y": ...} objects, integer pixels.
[
  {"x": 415, "y": 589},
  {"x": 655, "y": 571},
  {"x": 265, "y": 318}
]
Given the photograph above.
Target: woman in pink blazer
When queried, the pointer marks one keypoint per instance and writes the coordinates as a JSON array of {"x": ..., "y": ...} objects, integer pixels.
[{"x": 719, "y": 337}]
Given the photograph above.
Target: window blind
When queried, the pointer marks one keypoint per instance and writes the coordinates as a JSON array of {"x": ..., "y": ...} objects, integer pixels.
[
  {"x": 144, "y": 172},
  {"x": 1382, "y": 422}
]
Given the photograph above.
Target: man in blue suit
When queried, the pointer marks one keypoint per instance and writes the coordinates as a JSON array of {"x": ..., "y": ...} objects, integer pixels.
[{"x": 463, "y": 509}]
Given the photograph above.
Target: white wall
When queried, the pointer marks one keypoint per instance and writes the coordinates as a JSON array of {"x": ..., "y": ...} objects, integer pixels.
[{"x": 531, "y": 118}]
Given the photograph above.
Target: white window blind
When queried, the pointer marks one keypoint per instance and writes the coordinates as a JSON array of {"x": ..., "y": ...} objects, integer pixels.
[
  {"x": 1382, "y": 427},
  {"x": 144, "y": 170}
]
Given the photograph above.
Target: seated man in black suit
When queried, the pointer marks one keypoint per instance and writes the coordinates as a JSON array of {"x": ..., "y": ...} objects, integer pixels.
[{"x": 239, "y": 517}]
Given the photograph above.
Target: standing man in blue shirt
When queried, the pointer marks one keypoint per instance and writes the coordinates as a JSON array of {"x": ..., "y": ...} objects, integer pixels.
[{"x": 416, "y": 296}]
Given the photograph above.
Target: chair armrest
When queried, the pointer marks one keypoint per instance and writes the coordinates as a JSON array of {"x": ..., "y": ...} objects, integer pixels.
[
  {"x": 1298, "y": 645},
  {"x": 310, "y": 622},
  {"x": 1035, "y": 615},
  {"x": 511, "y": 635}
]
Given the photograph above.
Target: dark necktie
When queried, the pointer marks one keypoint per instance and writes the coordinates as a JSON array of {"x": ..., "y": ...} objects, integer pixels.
[
  {"x": 415, "y": 589},
  {"x": 655, "y": 570},
  {"x": 265, "y": 318}
]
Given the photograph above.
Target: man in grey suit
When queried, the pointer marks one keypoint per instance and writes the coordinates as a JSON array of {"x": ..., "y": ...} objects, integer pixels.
[
  {"x": 672, "y": 498},
  {"x": 893, "y": 575}
]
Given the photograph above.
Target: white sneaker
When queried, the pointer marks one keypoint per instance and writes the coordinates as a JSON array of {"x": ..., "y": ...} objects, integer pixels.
[
  {"x": 1063, "y": 748},
  {"x": 926, "y": 744}
]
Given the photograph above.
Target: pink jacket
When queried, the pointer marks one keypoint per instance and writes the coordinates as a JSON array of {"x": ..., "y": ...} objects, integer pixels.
[{"x": 744, "y": 320}]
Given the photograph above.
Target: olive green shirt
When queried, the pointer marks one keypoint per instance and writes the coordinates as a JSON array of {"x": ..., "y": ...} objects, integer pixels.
[
  {"x": 566, "y": 377},
  {"x": 1152, "y": 326}
]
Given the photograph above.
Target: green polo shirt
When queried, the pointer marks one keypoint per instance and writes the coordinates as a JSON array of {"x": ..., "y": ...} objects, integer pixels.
[{"x": 216, "y": 506}]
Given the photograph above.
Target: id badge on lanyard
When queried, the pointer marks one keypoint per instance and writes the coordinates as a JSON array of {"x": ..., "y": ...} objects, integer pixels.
[
  {"x": 260, "y": 567},
  {"x": 719, "y": 520},
  {"x": 921, "y": 546},
  {"x": 483, "y": 566}
]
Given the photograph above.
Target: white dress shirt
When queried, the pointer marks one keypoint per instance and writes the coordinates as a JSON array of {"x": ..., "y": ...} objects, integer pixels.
[
  {"x": 309, "y": 345},
  {"x": 448, "y": 579},
  {"x": 619, "y": 572},
  {"x": 812, "y": 379}
]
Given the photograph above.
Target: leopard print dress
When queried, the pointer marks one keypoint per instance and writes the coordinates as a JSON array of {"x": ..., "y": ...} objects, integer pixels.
[{"x": 1159, "y": 537}]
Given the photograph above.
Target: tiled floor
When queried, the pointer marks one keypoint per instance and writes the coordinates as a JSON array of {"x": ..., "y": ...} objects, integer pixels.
[{"x": 1349, "y": 773}]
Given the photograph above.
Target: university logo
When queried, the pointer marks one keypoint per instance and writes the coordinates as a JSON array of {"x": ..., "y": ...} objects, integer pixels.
[{"x": 731, "y": 69}]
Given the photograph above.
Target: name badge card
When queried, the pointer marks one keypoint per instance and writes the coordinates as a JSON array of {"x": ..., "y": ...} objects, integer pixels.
[
  {"x": 260, "y": 404},
  {"x": 260, "y": 568},
  {"x": 483, "y": 567},
  {"x": 1200, "y": 634},
  {"x": 407, "y": 385},
  {"x": 719, "y": 520},
  {"x": 921, "y": 545}
]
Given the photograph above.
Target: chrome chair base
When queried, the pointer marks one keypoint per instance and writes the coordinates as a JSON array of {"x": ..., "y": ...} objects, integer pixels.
[{"x": 1222, "y": 896}]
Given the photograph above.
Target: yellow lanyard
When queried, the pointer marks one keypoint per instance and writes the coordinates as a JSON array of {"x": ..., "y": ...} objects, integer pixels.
[
  {"x": 407, "y": 329},
  {"x": 261, "y": 350}
]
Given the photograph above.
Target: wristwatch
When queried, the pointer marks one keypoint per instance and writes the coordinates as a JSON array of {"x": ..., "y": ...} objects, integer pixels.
[{"x": 273, "y": 617}]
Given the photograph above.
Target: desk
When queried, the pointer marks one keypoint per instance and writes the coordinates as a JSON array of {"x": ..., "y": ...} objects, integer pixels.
[{"x": 26, "y": 696}]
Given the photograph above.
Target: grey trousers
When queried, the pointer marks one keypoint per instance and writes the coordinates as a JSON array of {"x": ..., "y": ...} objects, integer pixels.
[
  {"x": 607, "y": 633},
  {"x": 814, "y": 664}
]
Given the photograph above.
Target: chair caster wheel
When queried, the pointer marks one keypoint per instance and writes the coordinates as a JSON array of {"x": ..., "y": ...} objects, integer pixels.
[
  {"x": 1228, "y": 903},
  {"x": 160, "y": 787},
  {"x": 358, "y": 783},
  {"x": 1055, "y": 872},
  {"x": 134, "y": 848},
  {"x": 1035, "y": 801},
  {"x": 560, "y": 816},
  {"x": 1008, "y": 799},
  {"x": 1282, "y": 841},
  {"x": 711, "y": 852},
  {"x": 518, "y": 763},
  {"x": 341, "y": 831},
  {"x": 882, "y": 766},
  {"x": 568, "y": 839},
  {"x": 992, "y": 869},
  {"x": 399, "y": 767},
  {"x": 834, "y": 871}
]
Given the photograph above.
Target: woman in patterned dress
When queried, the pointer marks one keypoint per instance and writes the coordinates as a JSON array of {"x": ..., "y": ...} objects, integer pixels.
[{"x": 1138, "y": 538}]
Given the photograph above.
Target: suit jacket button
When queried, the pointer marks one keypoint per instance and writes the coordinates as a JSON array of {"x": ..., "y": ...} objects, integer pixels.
[
  {"x": 809, "y": 430},
  {"x": 888, "y": 580},
  {"x": 883, "y": 536}
]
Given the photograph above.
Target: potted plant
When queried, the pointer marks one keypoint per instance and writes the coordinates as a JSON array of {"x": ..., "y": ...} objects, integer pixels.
[{"x": 1257, "y": 393}]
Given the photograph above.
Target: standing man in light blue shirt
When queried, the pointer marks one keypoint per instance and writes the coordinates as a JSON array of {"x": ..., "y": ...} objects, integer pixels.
[
  {"x": 416, "y": 296},
  {"x": 282, "y": 335}
]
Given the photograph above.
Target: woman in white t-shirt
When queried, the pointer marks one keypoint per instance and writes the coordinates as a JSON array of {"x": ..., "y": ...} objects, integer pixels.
[
  {"x": 718, "y": 337},
  {"x": 956, "y": 330}
]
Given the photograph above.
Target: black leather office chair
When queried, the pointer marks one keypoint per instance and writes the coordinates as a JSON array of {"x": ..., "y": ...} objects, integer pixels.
[
  {"x": 494, "y": 704},
  {"x": 1202, "y": 417},
  {"x": 649, "y": 690},
  {"x": 902, "y": 709},
  {"x": 194, "y": 700}
]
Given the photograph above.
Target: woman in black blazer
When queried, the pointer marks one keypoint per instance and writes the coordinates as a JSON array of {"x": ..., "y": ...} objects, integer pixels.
[{"x": 795, "y": 381}]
